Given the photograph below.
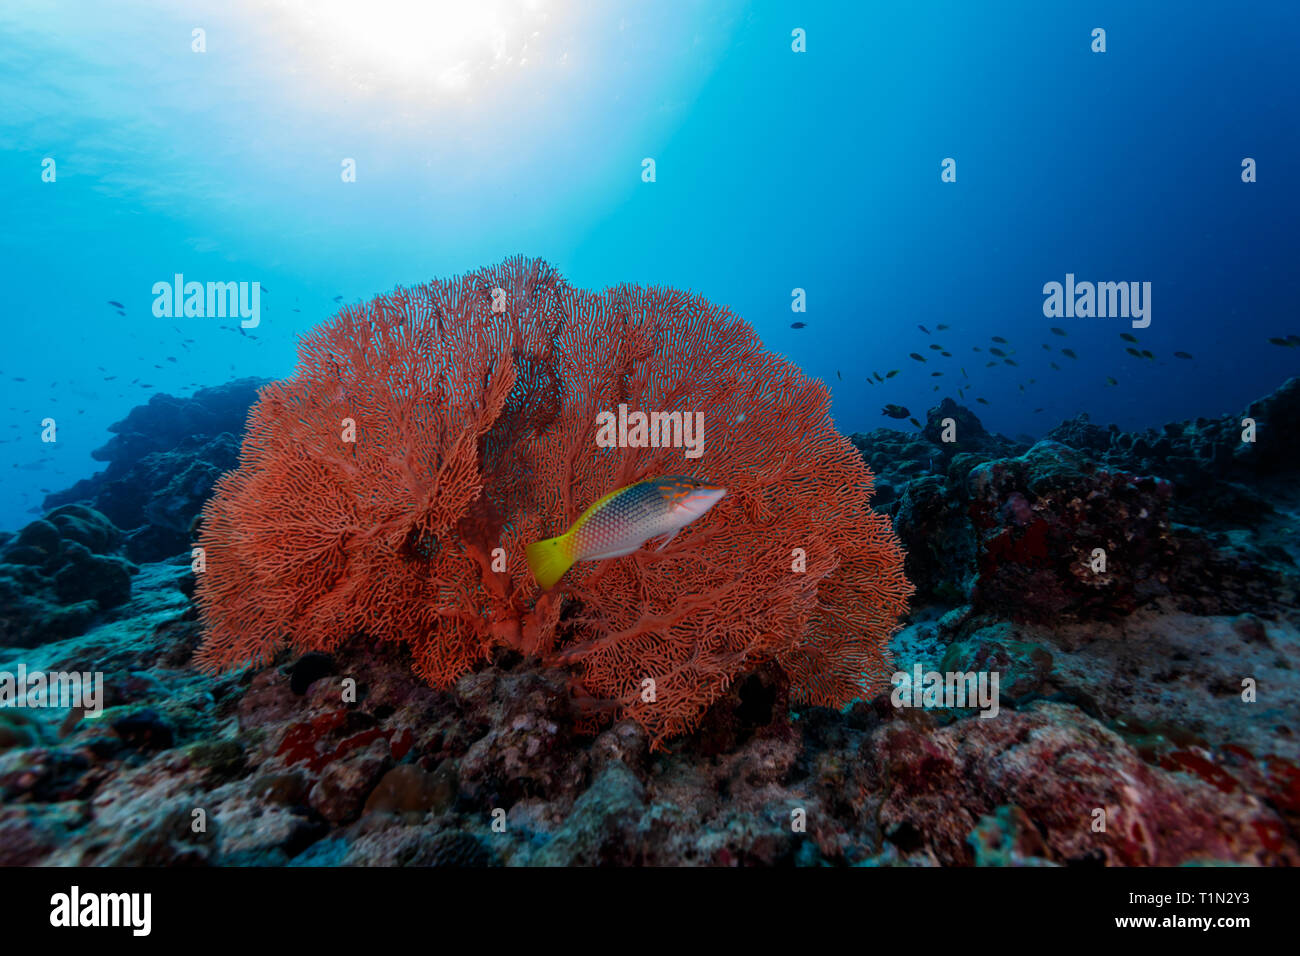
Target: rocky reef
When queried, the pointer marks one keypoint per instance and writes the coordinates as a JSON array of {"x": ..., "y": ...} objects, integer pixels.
[
  {"x": 163, "y": 460},
  {"x": 1135, "y": 593}
]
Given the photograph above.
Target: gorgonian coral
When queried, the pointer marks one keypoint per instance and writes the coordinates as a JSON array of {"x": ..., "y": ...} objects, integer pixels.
[{"x": 391, "y": 486}]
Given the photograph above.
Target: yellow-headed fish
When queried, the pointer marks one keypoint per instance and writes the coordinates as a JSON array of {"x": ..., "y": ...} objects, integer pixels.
[{"x": 621, "y": 522}]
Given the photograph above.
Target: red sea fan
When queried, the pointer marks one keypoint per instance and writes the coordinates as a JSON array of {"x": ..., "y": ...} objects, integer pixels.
[{"x": 391, "y": 486}]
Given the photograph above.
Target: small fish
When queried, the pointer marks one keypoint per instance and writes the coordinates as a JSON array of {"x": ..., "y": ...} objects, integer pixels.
[
  {"x": 1000, "y": 340},
  {"x": 879, "y": 379},
  {"x": 1055, "y": 366},
  {"x": 798, "y": 325},
  {"x": 1293, "y": 339},
  {"x": 946, "y": 354},
  {"x": 1009, "y": 362},
  {"x": 1129, "y": 337},
  {"x": 941, "y": 327},
  {"x": 998, "y": 352},
  {"x": 924, "y": 329},
  {"x": 937, "y": 348},
  {"x": 1056, "y": 331},
  {"x": 895, "y": 411},
  {"x": 1022, "y": 388},
  {"x": 919, "y": 358},
  {"x": 915, "y": 422},
  {"x": 115, "y": 304},
  {"x": 1146, "y": 354},
  {"x": 990, "y": 364},
  {"x": 981, "y": 401},
  {"x": 963, "y": 373},
  {"x": 935, "y": 374},
  {"x": 622, "y": 521},
  {"x": 976, "y": 348},
  {"x": 1111, "y": 381},
  {"x": 838, "y": 375},
  {"x": 891, "y": 373},
  {"x": 1133, "y": 352},
  {"x": 1047, "y": 347},
  {"x": 1182, "y": 355},
  {"x": 1069, "y": 353},
  {"x": 338, "y": 298},
  {"x": 1037, "y": 410}
]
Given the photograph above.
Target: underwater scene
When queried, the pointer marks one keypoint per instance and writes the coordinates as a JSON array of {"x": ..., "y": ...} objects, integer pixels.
[{"x": 558, "y": 433}]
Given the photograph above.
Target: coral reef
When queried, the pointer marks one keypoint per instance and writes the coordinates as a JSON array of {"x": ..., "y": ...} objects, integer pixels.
[
  {"x": 163, "y": 461},
  {"x": 58, "y": 574},
  {"x": 1123, "y": 736},
  {"x": 437, "y": 431}
]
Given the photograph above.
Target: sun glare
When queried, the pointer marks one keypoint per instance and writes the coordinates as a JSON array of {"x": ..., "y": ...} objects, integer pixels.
[{"x": 449, "y": 45}]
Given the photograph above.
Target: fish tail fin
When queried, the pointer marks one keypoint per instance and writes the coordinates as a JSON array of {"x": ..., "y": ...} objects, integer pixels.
[{"x": 549, "y": 560}]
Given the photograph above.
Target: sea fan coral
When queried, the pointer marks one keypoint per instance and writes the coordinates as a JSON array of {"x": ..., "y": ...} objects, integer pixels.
[{"x": 391, "y": 486}]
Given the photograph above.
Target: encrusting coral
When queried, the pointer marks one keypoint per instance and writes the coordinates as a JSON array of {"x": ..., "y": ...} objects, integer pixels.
[{"x": 391, "y": 486}]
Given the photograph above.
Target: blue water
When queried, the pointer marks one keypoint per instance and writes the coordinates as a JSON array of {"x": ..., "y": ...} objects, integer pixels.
[{"x": 488, "y": 129}]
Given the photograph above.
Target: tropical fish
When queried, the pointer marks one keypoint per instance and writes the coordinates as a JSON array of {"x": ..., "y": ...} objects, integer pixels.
[
  {"x": 622, "y": 521},
  {"x": 838, "y": 375},
  {"x": 1146, "y": 354},
  {"x": 998, "y": 352},
  {"x": 1009, "y": 362},
  {"x": 946, "y": 354},
  {"x": 919, "y": 358},
  {"x": 338, "y": 298},
  {"x": 1056, "y": 331},
  {"x": 990, "y": 364},
  {"x": 798, "y": 325},
  {"x": 1037, "y": 410},
  {"x": 1069, "y": 353},
  {"x": 981, "y": 401},
  {"x": 895, "y": 411},
  {"x": 915, "y": 422},
  {"x": 1111, "y": 381},
  {"x": 1182, "y": 355},
  {"x": 941, "y": 327},
  {"x": 937, "y": 348},
  {"x": 878, "y": 378},
  {"x": 1133, "y": 352},
  {"x": 976, "y": 348},
  {"x": 1047, "y": 347},
  {"x": 1282, "y": 342},
  {"x": 935, "y": 374},
  {"x": 1129, "y": 337},
  {"x": 924, "y": 329},
  {"x": 115, "y": 304},
  {"x": 1000, "y": 340},
  {"x": 1055, "y": 366},
  {"x": 891, "y": 373}
]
